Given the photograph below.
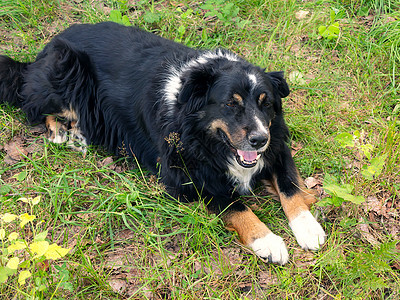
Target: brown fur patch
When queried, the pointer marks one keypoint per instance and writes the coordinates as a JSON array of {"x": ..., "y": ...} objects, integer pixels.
[
  {"x": 246, "y": 224},
  {"x": 294, "y": 205},
  {"x": 220, "y": 124},
  {"x": 69, "y": 114},
  {"x": 235, "y": 138},
  {"x": 238, "y": 98},
  {"x": 261, "y": 98},
  {"x": 56, "y": 131}
]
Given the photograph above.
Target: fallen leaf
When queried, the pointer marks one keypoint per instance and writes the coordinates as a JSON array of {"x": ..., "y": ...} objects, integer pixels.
[
  {"x": 86, "y": 216},
  {"x": 121, "y": 260},
  {"x": 15, "y": 151},
  {"x": 303, "y": 258},
  {"x": 301, "y": 14},
  {"x": 107, "y": 161},
  {"x": 295, "y": 48},
  {"x": 311, "y": 182},
  {"x": 38, "y": 129},
  {"x": 297, "y": 78},
  {"x": 373, "y": 204},
  {"x": 365, "y": 233},
  {"x": 234, "y": 256},
  {"x": 266, "y": 278},
  {"x": 125, "y": 235},
  {"x": 296, "y": 147},
  {"x": 118, "y": 285}
]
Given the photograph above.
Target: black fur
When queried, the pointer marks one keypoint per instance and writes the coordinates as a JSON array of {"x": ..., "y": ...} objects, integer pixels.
[{"x": 116, "y": 77}]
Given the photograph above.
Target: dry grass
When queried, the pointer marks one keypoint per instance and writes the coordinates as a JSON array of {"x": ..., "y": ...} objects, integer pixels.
[{"x": 130, "y": 242}]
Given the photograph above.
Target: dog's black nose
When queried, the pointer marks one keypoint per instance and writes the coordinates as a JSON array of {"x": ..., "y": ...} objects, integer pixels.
[{"x": 258, "y": 141}]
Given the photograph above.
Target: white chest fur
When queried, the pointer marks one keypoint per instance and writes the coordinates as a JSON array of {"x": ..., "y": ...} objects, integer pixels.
[{"x": 241, "y": 176}]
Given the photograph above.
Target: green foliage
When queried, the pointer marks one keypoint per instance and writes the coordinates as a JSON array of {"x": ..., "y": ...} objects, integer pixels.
[
  {"x": 339, "y": 193},
  {"x": 386, "y": 34},
  {"x": 361, "y": 271},
  {"x": 117, "y": 17},
  {"x": 225, "y": 11},
  {"x": 371, "y": 168},
  {"x": 332, "y": 29},
  {"x": 28, "y": 257},
  {"x": 151, "y": 17}
]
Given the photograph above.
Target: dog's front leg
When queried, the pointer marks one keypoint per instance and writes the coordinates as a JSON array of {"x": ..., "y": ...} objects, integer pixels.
[
  {"x": 296, "y": 201},
  {"x": 255, "y": 234}
]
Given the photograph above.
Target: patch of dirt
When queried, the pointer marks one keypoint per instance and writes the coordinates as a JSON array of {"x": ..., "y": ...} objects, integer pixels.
[{"x": 22, "y": 146}]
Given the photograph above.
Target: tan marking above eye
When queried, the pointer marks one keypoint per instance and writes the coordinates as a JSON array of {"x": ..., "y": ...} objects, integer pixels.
[
  {"x": 261, "y": 98},
  {"x": 238, "y": 98}
]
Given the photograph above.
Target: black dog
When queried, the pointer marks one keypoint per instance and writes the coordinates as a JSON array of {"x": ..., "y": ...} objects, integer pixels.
[{"x": 208, "y": 118}]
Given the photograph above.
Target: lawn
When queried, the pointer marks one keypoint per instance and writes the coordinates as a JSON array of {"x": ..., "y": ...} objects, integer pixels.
[{"x": 117, "y": 237}]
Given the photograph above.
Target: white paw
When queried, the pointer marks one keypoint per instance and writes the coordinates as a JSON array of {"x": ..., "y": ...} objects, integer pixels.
[
  {"x": 271, "y": 247},
  {"x": 308, "y": 232},
  {"x": 58, "y": 137},
  {"x": 77, "y": 141}
]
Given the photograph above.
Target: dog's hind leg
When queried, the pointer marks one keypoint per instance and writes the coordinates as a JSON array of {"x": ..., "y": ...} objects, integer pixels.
[
  {"x": 76, "y": 139},
  {"x": 63, "y": 128},
  {"x": 56, "y": 130}
]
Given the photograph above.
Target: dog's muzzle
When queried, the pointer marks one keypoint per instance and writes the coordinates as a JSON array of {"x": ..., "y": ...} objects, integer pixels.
[{"x": 248, "y": 158}]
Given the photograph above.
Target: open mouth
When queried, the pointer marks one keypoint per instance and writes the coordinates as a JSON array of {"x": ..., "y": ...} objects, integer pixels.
[{"x": 246, "y": 159}]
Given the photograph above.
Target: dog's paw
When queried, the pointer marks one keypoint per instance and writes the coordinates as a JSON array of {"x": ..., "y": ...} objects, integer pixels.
[
  {"x": 77, "y": 140},
  {"x": 58, "y": 135},
  {"x": 271, "y": 247},
  {"x": 308, "y": 232}
]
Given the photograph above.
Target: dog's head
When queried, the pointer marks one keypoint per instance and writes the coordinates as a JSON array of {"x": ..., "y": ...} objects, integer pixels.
[{"x": 236, "y": 103}]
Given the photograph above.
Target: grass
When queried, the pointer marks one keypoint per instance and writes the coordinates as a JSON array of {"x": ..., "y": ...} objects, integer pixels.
[{"x": 129, "y": 241}]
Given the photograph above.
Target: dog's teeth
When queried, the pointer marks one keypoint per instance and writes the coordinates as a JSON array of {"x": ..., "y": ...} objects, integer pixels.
[{"x": 258, "y": 156}]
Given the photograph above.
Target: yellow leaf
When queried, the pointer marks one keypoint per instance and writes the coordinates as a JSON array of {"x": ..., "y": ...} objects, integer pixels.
[
  {"x": 25, "y": 218},
  {"x": 36, "y": 200},
  {"x": 2, "y": 233},
  {"x": 39, "y": 248},
  {"x": 23, "y": 199},
  {"x": 55, "y": 252},
  {"x": 12, "y": 236},
  {"x": 13, "y": 263},
  {"x": 9, "y": 217},
  {"x": 23, "y": 276},
  {"x": 17, "y": 245}
]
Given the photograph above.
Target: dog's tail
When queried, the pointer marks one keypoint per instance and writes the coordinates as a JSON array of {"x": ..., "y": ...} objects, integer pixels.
[{"x": 11, "y": 80}]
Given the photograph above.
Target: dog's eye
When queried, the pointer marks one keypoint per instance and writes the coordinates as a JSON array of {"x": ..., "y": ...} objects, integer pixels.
[
  {"x": 266, "y": 103},
  {"x": 235, "y": 100},
  {"x": 232, "y": 103}
]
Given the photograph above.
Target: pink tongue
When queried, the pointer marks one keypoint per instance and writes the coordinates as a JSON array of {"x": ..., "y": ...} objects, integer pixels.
[{"x": 248, "y": 155}]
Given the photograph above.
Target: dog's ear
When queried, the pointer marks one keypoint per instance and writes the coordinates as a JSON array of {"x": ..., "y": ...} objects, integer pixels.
[
  {"x": 195, "y": 88},
  {"x": 279, "y": 83}
]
